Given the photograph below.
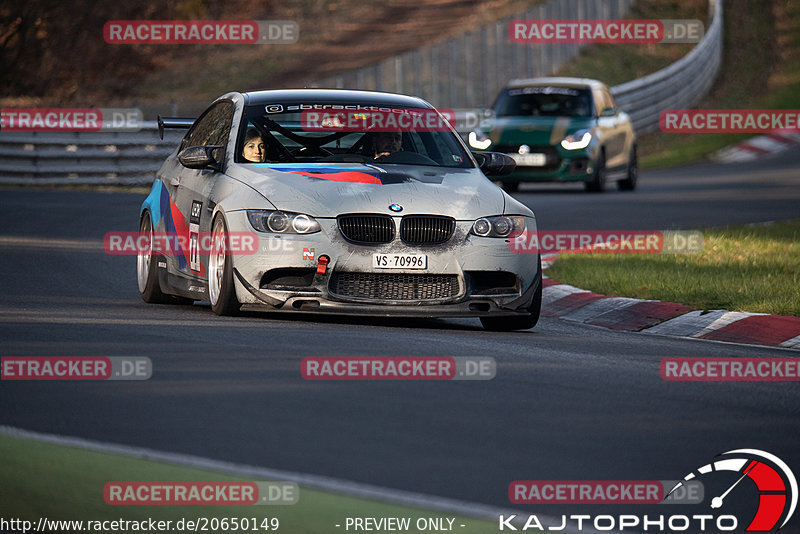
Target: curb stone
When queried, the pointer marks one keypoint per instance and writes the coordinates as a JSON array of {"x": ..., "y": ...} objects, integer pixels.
[
  {"x": 757, "y": 147},
  {"x": 665, "y": 318}
]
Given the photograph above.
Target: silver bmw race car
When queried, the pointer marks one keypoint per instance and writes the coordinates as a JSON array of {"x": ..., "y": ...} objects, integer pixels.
[{"x": 346, "y": 202}]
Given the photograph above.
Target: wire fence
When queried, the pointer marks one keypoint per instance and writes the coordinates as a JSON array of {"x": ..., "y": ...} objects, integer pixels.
[
  {"x": 469, "y": 70},
  {"x": 458, "y": 73}
]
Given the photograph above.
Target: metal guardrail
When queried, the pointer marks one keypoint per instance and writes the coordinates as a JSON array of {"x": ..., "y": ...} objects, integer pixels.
[
  {"x": 681, "y": 85},
  {"x": 126, "y": 158},
  {"x": 133, "y": 158}
]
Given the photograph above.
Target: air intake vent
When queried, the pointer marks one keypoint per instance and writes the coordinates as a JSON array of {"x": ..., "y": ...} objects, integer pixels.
[
  {"x": 366, "y": 229},
  {"x": 426, "y": 229},
  {"x": 394, "y": 286}
]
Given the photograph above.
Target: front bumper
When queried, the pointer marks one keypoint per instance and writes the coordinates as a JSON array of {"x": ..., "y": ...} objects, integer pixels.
[
  {"x": 560, "y": 164},
  {"x": 570, "y": 169},
  {"x": 468, "y": 276}
]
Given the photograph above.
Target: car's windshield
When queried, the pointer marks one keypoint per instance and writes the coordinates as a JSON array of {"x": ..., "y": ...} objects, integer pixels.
[
  {"x": 544, "y": 101},
  {"x": 348, "y": 133}
]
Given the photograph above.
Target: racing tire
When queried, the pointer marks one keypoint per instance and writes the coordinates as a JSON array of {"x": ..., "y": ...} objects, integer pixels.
[
  {"x": 598, "y": 181},
  {"x": 147, "y": 271},
  {"x": 221, "y": 290},
  {"x": 147, "y": 267},
  {"x": 629, "y": 183},
  {"x": 519, "y": 322}
]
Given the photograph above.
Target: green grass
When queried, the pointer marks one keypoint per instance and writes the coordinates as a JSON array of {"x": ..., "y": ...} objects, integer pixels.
[
  {"x": 64, "y": 483},
  {"x": 761, "y": 69},
  {"x": 614, "y": 63},
  {"x": 741, "y": 268}
]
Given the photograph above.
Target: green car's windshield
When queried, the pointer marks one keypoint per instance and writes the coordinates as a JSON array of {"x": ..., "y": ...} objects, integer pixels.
[
  {"x": 544, "y": 102},
  {"x": 349, "y": 133}
]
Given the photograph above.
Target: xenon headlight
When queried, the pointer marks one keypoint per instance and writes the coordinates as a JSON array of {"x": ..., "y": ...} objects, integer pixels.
[
  {"x": 499, "y": 226},
  {"x": 282, "y": 222},
  {"x": 479, "y": 140},
  {"x": 577, "y": 140}
]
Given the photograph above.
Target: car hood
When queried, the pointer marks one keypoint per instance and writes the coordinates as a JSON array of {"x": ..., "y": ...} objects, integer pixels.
[
  {"x": 331, "y": 189},
  {"x": 535, "y": 130}
]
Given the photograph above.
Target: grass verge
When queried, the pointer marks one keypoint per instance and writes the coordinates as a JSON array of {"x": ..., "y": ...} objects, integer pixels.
[
  {"x": 742, "y": 268},
  {"x": 760, "y": 70},
  {"x": 64, "y": 483}
]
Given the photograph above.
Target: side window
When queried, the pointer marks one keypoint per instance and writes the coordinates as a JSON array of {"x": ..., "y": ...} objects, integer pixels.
[
  {"x": 212, "y": 128},
  {"x": 603, "y": 100},
  {"x": 599, "y": 101},
  {"x": 610, "y": 99}
]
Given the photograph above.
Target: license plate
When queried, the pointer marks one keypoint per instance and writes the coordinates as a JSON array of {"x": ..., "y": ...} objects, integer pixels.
[
  {"x": 530, "y": 160},
  {"x": 400, "y": 261}
]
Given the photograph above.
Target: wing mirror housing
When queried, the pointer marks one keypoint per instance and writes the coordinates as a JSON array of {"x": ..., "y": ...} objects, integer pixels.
[
  {"x": 201, "y": 157},
  {"x": 495, "y": 163}
]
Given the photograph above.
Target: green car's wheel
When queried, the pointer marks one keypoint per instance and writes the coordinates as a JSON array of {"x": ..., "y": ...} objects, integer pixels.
[
  {"x": 629, "y": 183},
  {"x": 598, "y": 181}
]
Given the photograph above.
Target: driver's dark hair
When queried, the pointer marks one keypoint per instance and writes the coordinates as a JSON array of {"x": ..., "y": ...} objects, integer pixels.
[
  {"x": 252, "y": 133},
  {"x": 369, "y": 147}
]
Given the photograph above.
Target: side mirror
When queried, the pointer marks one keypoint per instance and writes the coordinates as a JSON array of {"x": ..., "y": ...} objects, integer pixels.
[
  {"x": 200, "y": 157},
  {"x": 495, "y": 163},
  {"x": 608, "y": 112}
]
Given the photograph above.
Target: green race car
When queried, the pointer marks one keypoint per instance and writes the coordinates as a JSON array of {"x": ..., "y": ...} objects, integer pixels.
[{"x": 561, "y": 129}]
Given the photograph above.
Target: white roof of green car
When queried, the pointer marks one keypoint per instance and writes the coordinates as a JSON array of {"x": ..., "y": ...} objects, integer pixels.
[{"x": 556, "y": 82}]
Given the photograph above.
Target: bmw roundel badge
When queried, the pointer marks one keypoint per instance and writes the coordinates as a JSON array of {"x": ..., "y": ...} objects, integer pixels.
[{"x": 397, "y": 208}]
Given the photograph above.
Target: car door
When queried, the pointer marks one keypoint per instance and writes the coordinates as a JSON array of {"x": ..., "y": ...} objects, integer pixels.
[
  {"x": 191, "y": 205},
  {"x": 612, "y": 127}
]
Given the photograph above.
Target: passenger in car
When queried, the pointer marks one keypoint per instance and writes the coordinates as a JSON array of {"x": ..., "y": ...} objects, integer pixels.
[{"x": 254, "y": 150}]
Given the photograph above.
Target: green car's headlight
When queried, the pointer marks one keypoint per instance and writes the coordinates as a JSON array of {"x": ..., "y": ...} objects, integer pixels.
[
  {"x": 479, "y": 140},
  {"x": 577, "y": 140},
  {"x": 282, "y": 222},
  {"x": 499, "y": 226}
]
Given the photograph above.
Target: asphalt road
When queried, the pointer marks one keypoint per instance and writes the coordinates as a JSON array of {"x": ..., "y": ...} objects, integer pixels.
[{"x": 569, "y": 401}]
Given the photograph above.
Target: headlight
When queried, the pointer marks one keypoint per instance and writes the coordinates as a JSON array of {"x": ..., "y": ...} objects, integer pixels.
[
  {"x": 479, "y": 140},
  {"x": 499, "y": 226},
  {"x": 577, "y": 140},
  {"x": 282, "y": 222}
]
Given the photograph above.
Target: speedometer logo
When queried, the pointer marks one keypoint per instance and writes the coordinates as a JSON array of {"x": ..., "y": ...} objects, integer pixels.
[{"x": 775, "y": 482}]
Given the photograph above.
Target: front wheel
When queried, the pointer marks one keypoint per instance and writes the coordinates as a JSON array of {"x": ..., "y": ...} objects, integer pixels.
[
  {"x": 522, "y": 322},
  {"x": 598, "y": 181},
  {"x": 221, "y": 290}
]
